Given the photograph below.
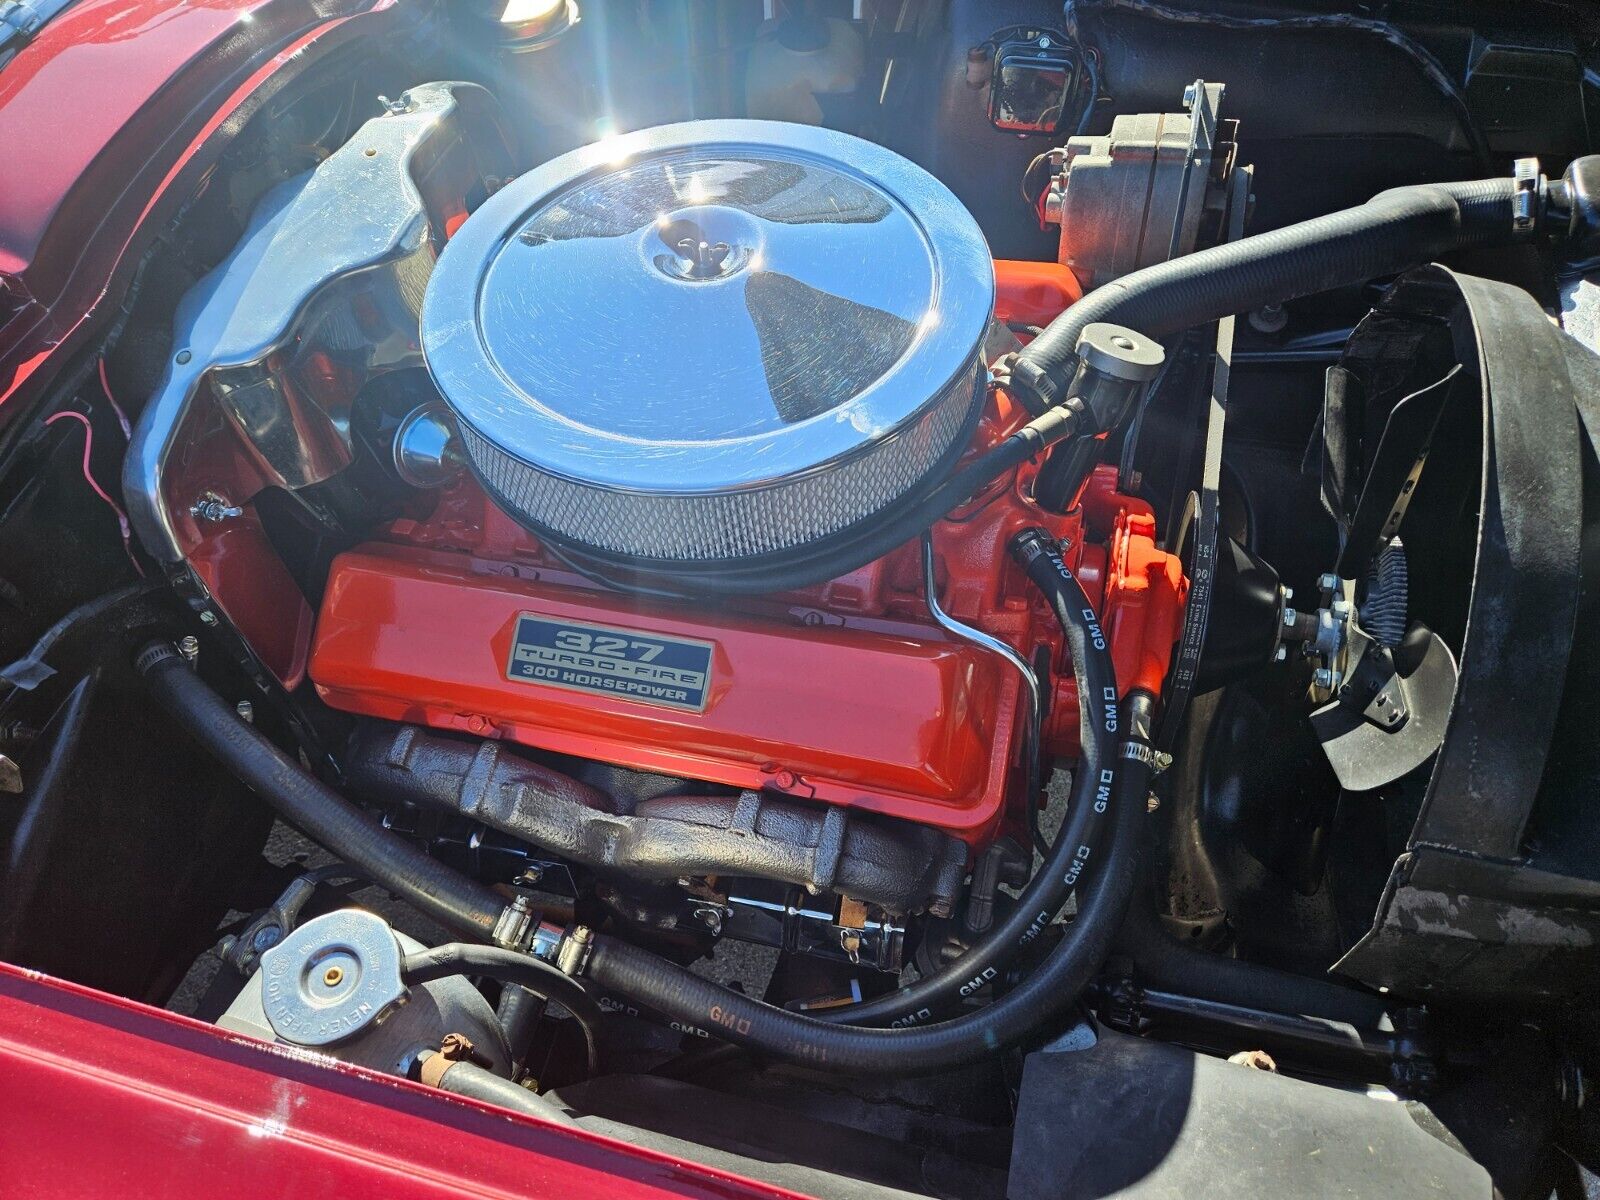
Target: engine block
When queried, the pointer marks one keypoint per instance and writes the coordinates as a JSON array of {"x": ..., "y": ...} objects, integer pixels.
[{"x": 845, "y": 692}]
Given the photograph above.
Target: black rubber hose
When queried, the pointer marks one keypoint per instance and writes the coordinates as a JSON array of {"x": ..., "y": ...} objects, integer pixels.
[
  {"x": 310, "y": 805},
  {"x": 1163, "y": 962},
  {"x": 1052, "y": 989},
  {"x": 519, "y": 1013},
  {"x": 472, "y": 1081},
  {"x": 1077, "y": 850},
  {"x": 508, "y": 966},
  {"x": 1394, "y": 230}
]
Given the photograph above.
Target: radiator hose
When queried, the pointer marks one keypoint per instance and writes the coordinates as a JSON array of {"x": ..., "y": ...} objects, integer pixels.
[
  {"x": 311, "y": 805},
  {"x": 1394, "y": 230}
]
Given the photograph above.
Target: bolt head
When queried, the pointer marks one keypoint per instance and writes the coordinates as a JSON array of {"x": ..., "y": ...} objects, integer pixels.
[
  {"x": 265, "y": 938},
  {"x": 189, "y": 647},
  {"x": 1323, "y": 677},
  {"x": 1328, "y": 582},
  {"x": 1281, "y": 653}
]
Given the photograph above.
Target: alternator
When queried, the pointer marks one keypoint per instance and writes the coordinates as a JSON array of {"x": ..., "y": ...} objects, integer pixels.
[{"x": 1152, "y": 189}]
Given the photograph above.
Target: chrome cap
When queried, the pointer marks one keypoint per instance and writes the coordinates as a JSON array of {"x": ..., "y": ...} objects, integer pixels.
[{"x": 710, "y": 340}]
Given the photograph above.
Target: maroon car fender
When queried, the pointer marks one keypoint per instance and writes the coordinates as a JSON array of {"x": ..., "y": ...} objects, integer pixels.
[{"x": 118, "y": 107}]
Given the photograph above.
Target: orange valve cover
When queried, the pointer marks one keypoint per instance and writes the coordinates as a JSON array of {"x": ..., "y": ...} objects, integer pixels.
[{"x": 909, "y": 724}]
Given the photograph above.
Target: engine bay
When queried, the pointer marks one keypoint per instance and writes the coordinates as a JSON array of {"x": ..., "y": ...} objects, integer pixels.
[{"x": 884, "y": 597}]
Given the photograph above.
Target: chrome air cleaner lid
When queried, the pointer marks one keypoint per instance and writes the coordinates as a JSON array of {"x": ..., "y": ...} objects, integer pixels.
[{"x": 711, "y": 341}]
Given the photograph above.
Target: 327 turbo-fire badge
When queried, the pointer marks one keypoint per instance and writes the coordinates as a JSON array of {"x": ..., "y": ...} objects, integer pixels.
[{"x": 626, "y": 663}]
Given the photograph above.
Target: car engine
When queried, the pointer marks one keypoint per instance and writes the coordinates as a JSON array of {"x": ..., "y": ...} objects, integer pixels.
[{"x": 884, "y": 597}]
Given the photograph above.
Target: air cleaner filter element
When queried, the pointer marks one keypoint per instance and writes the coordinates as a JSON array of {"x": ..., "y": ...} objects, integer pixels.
[{"x": 714, "y": 342}]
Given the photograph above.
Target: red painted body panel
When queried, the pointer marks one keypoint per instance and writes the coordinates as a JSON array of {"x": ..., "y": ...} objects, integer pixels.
[
  {"x": 109, "y": 118},
  {"x": 108, "y": 1099}
]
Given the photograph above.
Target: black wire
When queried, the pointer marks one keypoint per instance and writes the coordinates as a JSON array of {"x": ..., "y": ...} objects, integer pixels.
[
  {"x": 1036, "y": 811},
  {"x": 31, "y": 670},
  {"x": 1091, "y": 58}
]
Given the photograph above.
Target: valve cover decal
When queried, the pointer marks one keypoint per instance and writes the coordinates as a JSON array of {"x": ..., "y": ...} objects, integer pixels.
[{"x": 626, "y": 663}]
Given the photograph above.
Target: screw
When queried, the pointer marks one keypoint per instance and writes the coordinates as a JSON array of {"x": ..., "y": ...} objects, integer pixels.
[
  {"x": 208, "y": 618},
  {"x": 531, "y": 875},
  {"x": 189, "y": 647},
  {"x": 246, "y": 711}
]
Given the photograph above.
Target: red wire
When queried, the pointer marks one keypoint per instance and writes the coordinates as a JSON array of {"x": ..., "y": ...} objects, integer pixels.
[
  {"x": 88, "y": 449},
  {"x": 122, "y": 417}
]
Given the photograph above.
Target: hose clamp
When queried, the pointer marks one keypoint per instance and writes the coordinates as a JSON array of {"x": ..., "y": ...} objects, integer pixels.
[
  {"x": 514, "y": 924},
  {"x": 1143, "y": 752},
  {"x": 573, "y": 954},
  {"x": 1528, "y": 194}
]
